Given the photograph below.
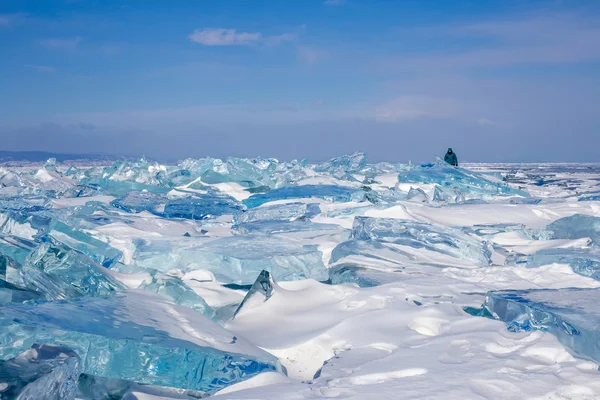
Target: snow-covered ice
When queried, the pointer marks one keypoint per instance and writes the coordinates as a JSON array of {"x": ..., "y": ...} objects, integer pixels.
[{"x": 261, "y": 279}]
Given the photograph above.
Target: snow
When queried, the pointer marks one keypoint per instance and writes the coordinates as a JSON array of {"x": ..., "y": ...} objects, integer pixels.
[{"x": 410, "y": 337}]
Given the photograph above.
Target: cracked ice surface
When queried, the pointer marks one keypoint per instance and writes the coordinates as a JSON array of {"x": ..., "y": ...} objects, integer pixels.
[{"x": 148, "y": 273}]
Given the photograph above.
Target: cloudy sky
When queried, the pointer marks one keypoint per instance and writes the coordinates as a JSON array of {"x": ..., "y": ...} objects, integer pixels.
[{"x": 503, "y": 80}]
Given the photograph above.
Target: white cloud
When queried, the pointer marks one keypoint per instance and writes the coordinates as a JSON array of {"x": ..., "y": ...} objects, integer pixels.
[
  {"x": 405, "y": 108},
  {"x": 334, "y": 2},
  {"x": 231, "y": 37},
  {"x": 224, "y": 37},
  {"x": 310, "y": 55},
  {"x": 279, "y": 39},
  {"x": 485, "y": 121},
  {"x": 41, "y": 68},
  {"x": 62, "y": 44}
]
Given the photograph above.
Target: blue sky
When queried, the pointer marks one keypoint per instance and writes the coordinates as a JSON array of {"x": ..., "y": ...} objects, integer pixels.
[{"x": 501, "y": 80}]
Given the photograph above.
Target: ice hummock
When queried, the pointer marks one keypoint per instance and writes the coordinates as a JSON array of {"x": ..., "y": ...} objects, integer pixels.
[
  {"x": 584, "y": 262},
  {"x": 575, "y": 227},
  {"x": 199, "y": 207},
  {"x": 569, "y": 314},
  {"x": 235, "y": 259},
  {"x": 12, "y": 287},
  {"x": 262, "y": 289},
  {"x": 449, "y": 241},
  {"x": 455, "y": 184},
  {"x": 136, "y": 336},
  {"x": 59, "y": 272},
  {"x": 278, "y": 212},
  {"x": 43, "y": 372},
  {"x": 168, "y": 287},
  {"x": 136, "y": 202},
  {"x": 361, "y": 276},
  {"x": 334, "y": 193},
  {"x": 343, "y": 167}
]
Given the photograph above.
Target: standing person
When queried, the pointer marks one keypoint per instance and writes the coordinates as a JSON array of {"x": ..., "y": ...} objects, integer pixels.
[{"x": 451, "y": 158}]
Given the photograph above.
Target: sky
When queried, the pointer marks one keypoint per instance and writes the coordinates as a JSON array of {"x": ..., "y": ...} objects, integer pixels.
[{"x": 499, "y": 81}]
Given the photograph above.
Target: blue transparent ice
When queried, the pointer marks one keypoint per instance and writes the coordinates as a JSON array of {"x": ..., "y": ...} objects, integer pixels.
[
  {"x": 201, "y": 207},
  {"x": 170, "y": 288},
  {"x": 590, "y": 197},
  {"x": 456, "y": 179},
  {"x": 97, "y": 250},
  {"x": 248, "y": 173},
  {"x": 121, "y": 188},
  {"x": 262, "y": 289},
  {"x": 12, "y": 288},
  {"x": 306, "y": 229},
  {"x": 90, "y": 387},
  {"x": 136, "y": 336},
  {"x": 417, "y": 195},
  {"x": 15, "y": 247},
  {"x": 360, "y": 275},
  {"x": 235, "y": 259},
  {"x": 59, "y": 272},
  {"x": 575, "y": 227},
  {"x": 341, "y": 194},
  {"x": 370, "y": 249},
  {"x": 342, "y": 167},
  {"x": 43, "y": 372},
  {"x": 569, "y": 314},
  {"x": 135, "y": 202},
  {"x": 415, "y": 234},
  {"x": 584, "y": 262},
  {"x": 10, "y": 293},
  {"x": 278, "y": 212}
]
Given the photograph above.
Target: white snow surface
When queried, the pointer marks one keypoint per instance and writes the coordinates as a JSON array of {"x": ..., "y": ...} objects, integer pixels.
[{"x": 407, "y": 339}]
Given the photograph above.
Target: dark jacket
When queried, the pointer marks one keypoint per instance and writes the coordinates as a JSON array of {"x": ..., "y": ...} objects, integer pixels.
[{"x": 451, "y": 158}]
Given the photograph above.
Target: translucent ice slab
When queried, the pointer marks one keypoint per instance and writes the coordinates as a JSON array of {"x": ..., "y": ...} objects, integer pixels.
[
  {"x": 421, "y": 235},
  {"x": 341, "y": 194},
  {"x": 235, "y": 259},
  {"x": 43, "y": 372},
  {"x": 136, "y": 336},
  {"x": 575, "y": 227},
  {"x": 569, "y": 314},
  {"x": 279, "y": 212}
]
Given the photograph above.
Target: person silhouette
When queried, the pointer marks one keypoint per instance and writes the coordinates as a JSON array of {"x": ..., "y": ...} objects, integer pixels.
[{"x": 451, "y": 158}]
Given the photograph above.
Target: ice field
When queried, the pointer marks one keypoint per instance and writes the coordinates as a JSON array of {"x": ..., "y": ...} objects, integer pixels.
[{"x": 260, "y": 279}]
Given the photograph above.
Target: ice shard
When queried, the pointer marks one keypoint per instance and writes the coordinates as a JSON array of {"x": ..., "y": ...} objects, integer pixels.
[
  {"x": 97, "y": 250},
  {"x": 235, "y": 259},
  {"x": 417, "y": 195},
  {"x": 459, "y": 179},
  {"x": 340, "y": 194},
  {"x": 136, "y": 336},
  {"x": 60, "y": 272},
  {"x": 301, "y": 230},
  {"x": 176, "y": 291},
  {"x": 361, "y": 276},
  {"x": 201, "y": 207},
  {"x": 43, "y": 372},
  {"x": 584, "y": 262},
  {"x": 371, "y": 250},
  {"x": 246, "y": 172},
  {"x": 569, "y": 314},
  {"x": 261, "y": 291},
  {"x": 343, "y": 167},
  {"x": 12, "y": 288},
  {"x": 278, "y": 212},
  {"x": 136, "y": 202},
  {"x": 575, "y": 227},
  {"x": 415, "y": 234}
]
